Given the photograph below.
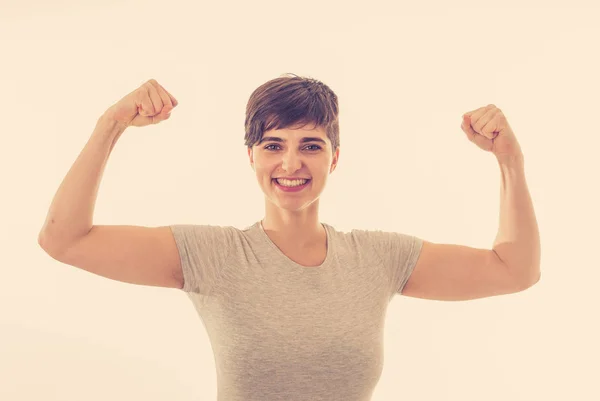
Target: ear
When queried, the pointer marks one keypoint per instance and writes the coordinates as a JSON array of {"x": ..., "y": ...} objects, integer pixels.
[
  {"x": 250, "y": 156},
  {"x": 336, "y": 157}
]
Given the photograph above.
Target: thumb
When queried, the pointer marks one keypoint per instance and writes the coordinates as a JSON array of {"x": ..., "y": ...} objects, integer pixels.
[
  {"x": 477, "y": 139},
  {"x": 143, "y": 118}
]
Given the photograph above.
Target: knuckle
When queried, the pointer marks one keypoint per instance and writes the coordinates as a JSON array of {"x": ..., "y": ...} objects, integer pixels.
[
  {"x": 142, "y": 97},
  {"x": 144, "y": 93}
]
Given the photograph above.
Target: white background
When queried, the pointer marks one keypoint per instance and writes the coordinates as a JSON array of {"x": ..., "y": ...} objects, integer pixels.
[{"x": 404, "y": 75}]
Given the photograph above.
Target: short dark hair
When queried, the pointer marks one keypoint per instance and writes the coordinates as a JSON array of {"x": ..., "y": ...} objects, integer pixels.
[{"x": 292, "y": 101}]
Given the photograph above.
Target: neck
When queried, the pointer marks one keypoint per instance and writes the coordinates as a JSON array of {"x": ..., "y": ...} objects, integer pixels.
[{"x": 299, "y": 228}]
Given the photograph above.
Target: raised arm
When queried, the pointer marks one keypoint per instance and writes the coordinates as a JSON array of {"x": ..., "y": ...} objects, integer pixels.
[{"x": 137, "y": 255}]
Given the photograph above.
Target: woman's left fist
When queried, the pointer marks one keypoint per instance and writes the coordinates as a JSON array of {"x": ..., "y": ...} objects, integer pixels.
[{"x": 487, "y": 128}]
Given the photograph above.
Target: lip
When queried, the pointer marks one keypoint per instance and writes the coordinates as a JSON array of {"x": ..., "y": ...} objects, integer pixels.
[
  {"x": 291, "y": 178},
  {"x": 292, "y": 189}
]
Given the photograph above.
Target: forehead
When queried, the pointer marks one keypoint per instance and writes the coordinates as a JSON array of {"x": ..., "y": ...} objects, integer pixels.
[
  {"x": 307, "y": 133},
  {"x": 298, "y": 131}
]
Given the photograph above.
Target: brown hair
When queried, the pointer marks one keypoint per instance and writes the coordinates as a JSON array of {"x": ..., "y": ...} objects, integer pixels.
[{"x": 289, "y": 101}]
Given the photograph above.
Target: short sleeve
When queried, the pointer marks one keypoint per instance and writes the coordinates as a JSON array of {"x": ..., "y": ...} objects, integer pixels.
[
  {"x": 398, "y": 253},
  {"x": 203, "y": 250}
]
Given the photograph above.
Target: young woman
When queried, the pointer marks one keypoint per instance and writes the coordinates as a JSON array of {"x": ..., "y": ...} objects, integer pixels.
[{"x": 294, "y": 308}]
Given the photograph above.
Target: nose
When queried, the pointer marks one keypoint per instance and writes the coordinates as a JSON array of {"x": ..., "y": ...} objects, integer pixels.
[{"x": 291, "y": 162}]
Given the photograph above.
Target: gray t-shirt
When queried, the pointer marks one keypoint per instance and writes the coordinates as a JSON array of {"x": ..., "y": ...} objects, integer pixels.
[{"x": 281, "y": 331}]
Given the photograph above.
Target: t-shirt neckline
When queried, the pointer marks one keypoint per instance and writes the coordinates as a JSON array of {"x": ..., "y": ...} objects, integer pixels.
[{"x": 290, "y": 261}]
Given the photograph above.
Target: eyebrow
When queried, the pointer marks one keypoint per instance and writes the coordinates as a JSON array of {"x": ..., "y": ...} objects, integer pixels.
[{"x": 303, "y": 140}]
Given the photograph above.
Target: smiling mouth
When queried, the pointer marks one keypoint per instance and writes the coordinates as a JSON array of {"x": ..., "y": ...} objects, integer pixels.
[
  {"x": 305, "y": 180},
  {"x": 299, "y": 183}
]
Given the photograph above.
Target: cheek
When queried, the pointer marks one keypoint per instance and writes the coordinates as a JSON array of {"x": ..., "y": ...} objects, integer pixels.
[{"x": 264, "y": 173}]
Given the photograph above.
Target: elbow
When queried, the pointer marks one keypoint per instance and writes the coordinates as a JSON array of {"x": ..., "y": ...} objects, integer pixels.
[
  {"x": 535, "y": 277},
  {"x": 42, "y": 241},
  {"x": 55, "y": 243},
  {"x": 530, "y": 280},
  {"x": 49, "y": 247}
]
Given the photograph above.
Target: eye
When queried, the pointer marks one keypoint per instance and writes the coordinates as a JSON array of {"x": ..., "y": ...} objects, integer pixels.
[{"x": 316, "y": 147}]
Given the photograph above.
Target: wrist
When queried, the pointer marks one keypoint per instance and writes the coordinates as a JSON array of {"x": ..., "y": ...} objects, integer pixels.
[
  {"x": 107, "y": 124},
  {"x": 511, "y": 161},
  {"x": 107, "y": 121},
  {"x": 109, "y": 129}
]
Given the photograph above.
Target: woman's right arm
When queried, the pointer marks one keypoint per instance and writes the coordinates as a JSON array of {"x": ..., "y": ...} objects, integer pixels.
[{"x": 132, "y": 254}]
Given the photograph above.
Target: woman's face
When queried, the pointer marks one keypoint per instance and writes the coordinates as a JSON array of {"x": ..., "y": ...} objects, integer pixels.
[{"x": 299, "y": 153}]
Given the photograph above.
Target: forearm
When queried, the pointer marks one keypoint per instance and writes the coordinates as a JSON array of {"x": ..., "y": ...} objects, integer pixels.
[
  {"x": 518, "y": 240},
  {"x": 72, "y": 208}
]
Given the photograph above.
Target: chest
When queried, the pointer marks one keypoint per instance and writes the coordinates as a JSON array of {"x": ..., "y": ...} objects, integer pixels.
[
  {"x": 307, "y": 257},
  {"x": 311, "y": 257}
]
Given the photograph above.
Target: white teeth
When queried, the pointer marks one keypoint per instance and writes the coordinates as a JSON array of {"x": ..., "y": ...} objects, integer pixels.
[{"x": 293, "y": 183}]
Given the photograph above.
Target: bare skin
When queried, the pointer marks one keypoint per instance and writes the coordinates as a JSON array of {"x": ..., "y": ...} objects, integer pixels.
[{"x": 292, "y": 218}]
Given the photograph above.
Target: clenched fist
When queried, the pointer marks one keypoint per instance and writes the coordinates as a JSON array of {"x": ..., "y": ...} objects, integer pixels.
[{"x": 148, "y": 104}]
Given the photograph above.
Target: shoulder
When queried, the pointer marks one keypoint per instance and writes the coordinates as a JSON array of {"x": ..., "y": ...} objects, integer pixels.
[
  {"x": 207, "y": 235},
  {"x": 204, "y": 230},
  {"x": 379, "y": 241}
]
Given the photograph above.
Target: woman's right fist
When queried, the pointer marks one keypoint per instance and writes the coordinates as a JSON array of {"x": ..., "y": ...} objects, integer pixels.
[{"x": 148, "y": 104}]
